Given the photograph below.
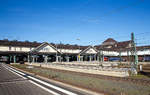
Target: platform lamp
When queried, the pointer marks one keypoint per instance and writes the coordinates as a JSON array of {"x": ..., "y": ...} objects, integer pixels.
[{"x": 79, "y": 50}]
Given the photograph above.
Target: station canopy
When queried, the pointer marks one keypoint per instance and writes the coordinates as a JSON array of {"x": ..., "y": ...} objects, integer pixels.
[
  {"x": 45, "y": 48},
  {"x": 89, "y": 50}
]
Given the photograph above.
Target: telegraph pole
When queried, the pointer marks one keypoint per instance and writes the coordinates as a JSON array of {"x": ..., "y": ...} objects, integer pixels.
[
  {"x": 134, "y": 57},
  {"x": 56, "y": 54}
]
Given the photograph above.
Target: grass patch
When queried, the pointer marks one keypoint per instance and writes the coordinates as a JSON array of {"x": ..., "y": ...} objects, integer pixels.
[
  {"x": 140, "y": 76},
  {"x": 111, "y": 87}
]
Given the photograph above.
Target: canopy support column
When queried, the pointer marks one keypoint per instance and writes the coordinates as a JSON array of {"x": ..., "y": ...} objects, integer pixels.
[
  {"x": 90, "y": 58},
  {"x": 33, "y": 60},
  {"x": 45, "y": 58},
  {"x": 95, "y": 57},
  {"x": 28, "y": 58},
  {"x": 14, "y": 58},
  {"x": 56, "y": 58},
  {"x": 67, "y": 58}
]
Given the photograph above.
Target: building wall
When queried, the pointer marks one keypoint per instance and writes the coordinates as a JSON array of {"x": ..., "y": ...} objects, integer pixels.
[
  {"x": 144, "y": 52},
  {"x": 4, "y": 48},
  {"x": 72, "y": 51},
  {"x": 26, "y": 49},
  {"x": 110, "y": 53},
  {"x": 12, "y": 48}
]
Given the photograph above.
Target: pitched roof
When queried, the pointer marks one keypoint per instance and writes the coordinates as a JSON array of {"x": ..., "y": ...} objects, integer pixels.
[
  {"x": 109, "y": 41},
  {"x": 123, "y": 44},
  {"x": 143, "y": 47},
  {"x": 36, "y": 44},
  {"x": 19, "y": 43},
  {"x": 42, "y": 45},
  {"x": 89, "y": 47},
  {"x": 117, "y": 46},
  {"x": 68, "y": 46}
]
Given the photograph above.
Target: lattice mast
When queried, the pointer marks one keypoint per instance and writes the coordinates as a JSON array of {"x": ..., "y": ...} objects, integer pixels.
[{"x": 134, "y": 57}]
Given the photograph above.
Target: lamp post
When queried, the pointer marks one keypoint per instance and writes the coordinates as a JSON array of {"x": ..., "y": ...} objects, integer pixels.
[
  {"x": 56, "y": 54},
  {"x": 78, "y": 57},
  {"x": 60, "y": 53}
]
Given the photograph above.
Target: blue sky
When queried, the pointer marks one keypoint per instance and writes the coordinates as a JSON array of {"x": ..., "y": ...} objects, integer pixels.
[{"x": 91, "y": 21}]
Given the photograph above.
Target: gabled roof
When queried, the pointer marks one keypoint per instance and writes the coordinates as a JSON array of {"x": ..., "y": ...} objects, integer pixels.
[
  {"x": 68, "y": 46},
  {"x": 88, "y": 48},
  {"x": 143, "y": 47},
  {"x": 42, "y": 45},
  {"x": 117, "y": 46},
  {"x": 19, "y": 43},
  {"x": 123, "y": 44},
  {"x": 109, "y": 41},
  {"x": 35, "y": 44}
]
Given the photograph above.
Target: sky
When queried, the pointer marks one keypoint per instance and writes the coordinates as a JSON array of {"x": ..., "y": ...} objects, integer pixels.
[{"x": 83, "y": 22}]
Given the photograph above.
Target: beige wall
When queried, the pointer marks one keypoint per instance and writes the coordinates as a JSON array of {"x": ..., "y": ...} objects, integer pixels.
[
  {"x": 69, "y": 50},
  {"x": 4, "y": 48},
  {"x": 25, "y": 49},
  {"x": 19, "y": 49},
  {"x": 110, "y": 53},
  {"x": 75, "y": 51}
]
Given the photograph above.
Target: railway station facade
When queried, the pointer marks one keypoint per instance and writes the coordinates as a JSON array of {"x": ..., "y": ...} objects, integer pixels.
[{"x": 16, "y": 51}]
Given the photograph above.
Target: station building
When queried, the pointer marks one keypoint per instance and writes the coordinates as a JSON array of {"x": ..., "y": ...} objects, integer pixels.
[{"x": 17, "y": 51}]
